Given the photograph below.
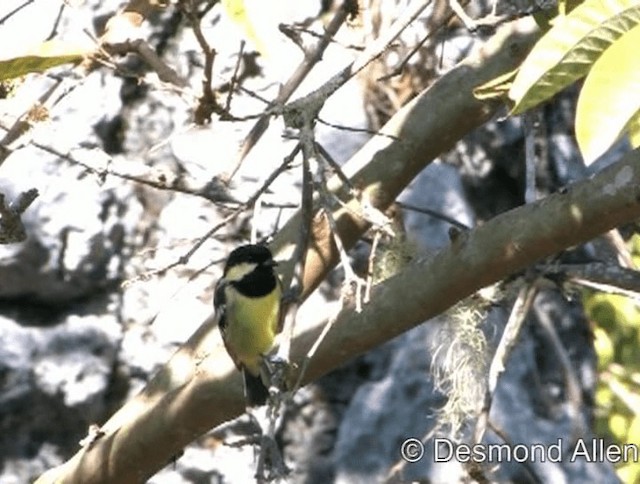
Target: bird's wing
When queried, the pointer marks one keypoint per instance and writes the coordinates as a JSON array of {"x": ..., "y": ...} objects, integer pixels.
[
  {"x": 220, "y": 302},
  {"x": 220, "y": 306}
]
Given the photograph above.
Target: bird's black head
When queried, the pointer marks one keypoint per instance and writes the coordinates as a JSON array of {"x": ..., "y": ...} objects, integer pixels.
[{"x": 249, "y": 254}]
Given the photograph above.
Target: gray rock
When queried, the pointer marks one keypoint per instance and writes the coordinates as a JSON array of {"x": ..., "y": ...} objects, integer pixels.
[
  {"x": 55, "y": 382},
  {"x": 76, "y": 231}
]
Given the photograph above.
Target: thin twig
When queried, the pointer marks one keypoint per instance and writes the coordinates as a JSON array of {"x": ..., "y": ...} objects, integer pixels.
[
  {"x": 508, "y": 340},
  {"x": 148, "y": 54},
  {"x": 370, "y": 267},
  {"x": 292, "y": 31},
  {"x": 574, "y": 392},
  {"x": 294, "y": 36},
  {"x": 56, "y": 23},
  {"x": 299, "y": 256},
  {"x": 301, "y": 72},
  {"x": 326, "y": 156},
  {"x": 183, "y": 259},
  {"x": 598, "y": 275},
  {"x": 529, "y": 469},
  {"x": 529, "y": 123},
  {"x": 270, "y": 463},
  {"x": 487, "y": 24},
  {"x": 209, "y": 192},
  {"x": 468, "y": 22},
  {"x": 351, "y": 279},
  {"x": 434, "y": 214},
  {"x": 342, "y": 127},
  {"x": 316, "y": 344},
  {"x": 207, "y": 104},
  {"x": 614, "y": 238},
  {"x": 377, "y": 48},
  {"x": 234, "y": 77},
  {"x": 629, "y": 396},
  {"x": 431, "y": 33},
  {"x": 15, "y": 11}
]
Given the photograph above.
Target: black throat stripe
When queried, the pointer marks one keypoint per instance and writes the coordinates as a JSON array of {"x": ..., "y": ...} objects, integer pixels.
[{"x": 257, "y": 283}]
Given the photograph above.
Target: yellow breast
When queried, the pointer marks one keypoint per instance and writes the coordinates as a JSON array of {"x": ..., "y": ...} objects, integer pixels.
[{"x": 252, "y": 324}]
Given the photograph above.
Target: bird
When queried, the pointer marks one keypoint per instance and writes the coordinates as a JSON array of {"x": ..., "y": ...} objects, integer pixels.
[{"x": 247, "y": 302}]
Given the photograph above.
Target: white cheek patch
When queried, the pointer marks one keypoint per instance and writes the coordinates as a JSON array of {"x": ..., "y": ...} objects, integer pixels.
[{"x": 237, "y": 272}]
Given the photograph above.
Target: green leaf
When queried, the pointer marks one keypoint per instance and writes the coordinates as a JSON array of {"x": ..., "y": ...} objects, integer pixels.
[
  {"x": 44, "y": 56},
  {"x": 568, "y": 50},
  {"x": 495, "y": 88},
  {"x": 610, "y": 96}
]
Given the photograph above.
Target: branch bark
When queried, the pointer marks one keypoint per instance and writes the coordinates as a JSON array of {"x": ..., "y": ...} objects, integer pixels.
[
  {"x": 501, "y": 247},
  {"x": 429, "y": 125},
  {"x": 212, "y": 391},
  {"x": 199, "y": 388}
]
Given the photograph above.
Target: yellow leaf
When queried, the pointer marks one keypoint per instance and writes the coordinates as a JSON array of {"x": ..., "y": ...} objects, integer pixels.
[
  {"x": 569, "y": 49},
  {"x": 43, "y": 56},
  {"x": 610, "y": 96},
  {"x": 237, "y": 12}
]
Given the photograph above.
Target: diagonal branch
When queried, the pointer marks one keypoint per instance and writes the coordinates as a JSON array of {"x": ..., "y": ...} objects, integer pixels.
[
  {"x": 200, "y": 376},
  {"x": 503, "y": 246},
  {"x": 199, "y": 388},
  {"x": 287, "y": 90},
  {"x": 321, "y": 94},
  {"x": 426, "y": 127}
]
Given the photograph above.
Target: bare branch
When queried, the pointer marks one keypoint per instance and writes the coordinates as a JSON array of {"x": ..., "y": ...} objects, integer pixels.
[
  {"x": 433, "y": 213},
  {"x": 423, "y": 129},
  {"x": 294, "y": 284},
  {"x": 510, "y": 335},
  {"x": 598, "y": 275},
  {"x": 529, "y": 123},
  {"x": 301, "y": 72},
  {"x": 209, "y": 192},
  {"x": 571, "y": 382},
  {"x": 147, "y": 54},
  {"x": 15, "y": 11},
  {"x": 200, "y": 375}
]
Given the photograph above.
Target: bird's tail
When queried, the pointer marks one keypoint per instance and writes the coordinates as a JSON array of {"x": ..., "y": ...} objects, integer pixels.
[{"x": 255, "y": 391}]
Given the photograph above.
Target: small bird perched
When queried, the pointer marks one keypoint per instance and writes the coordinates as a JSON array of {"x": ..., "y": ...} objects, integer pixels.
[{"x": 247, "y": 302}]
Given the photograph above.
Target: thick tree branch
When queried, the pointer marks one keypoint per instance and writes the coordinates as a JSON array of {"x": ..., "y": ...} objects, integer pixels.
[
  {"x": 503, "y": 246},
  {"x": 199, "y": 387},
  {"x": 422, "y": 130}
]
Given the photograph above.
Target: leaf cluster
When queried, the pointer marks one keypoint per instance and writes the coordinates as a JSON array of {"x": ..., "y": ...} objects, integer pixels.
[{"x": 596, "y": 41}]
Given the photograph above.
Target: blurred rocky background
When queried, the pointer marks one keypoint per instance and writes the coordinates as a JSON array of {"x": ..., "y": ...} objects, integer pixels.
[{"x": 96, "y": 298}]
